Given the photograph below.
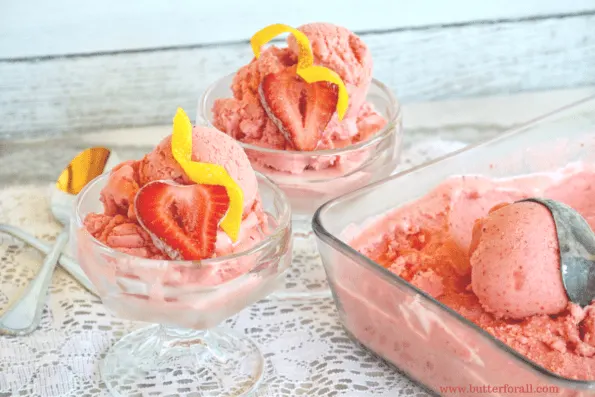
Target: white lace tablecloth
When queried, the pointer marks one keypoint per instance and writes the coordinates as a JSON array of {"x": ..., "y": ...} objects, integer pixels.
[{"x": 306, "y": 349}]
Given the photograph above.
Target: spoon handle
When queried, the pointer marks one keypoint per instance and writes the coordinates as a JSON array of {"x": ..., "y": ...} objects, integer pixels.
[
  {"x": 23, "y": 316},
  {"x": 65, "y": 260}
]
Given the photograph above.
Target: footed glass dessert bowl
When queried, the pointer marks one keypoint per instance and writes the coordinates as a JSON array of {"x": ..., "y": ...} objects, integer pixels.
[
  {"x": 311, "y": 178},
  {"x": 184, "y": 353}
]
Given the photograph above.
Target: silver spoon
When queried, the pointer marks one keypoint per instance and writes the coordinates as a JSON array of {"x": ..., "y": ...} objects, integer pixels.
[
  {"x": 24, "y": 314},
  {"x": 65, "y": 261},
  {"x": 577, "y": 251}
]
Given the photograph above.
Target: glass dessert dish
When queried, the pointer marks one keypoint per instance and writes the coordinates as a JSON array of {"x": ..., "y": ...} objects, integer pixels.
[
  {"x": 328, "y": 174},
  {"x": 429, "y": 341},
  {"x": 185, "y": 353}
]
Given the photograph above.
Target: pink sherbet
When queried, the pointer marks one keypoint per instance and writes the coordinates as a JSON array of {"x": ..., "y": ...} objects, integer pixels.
[
  {"x": 248, "y": 122},
  {"x": 515, "y": 262},
  {"x": 339, "y": 49},
  {"x": 513, "y": 269},
  {"x": 244, "y": 118},
  {"x": 118, "y": 196},
  {"x": 429, "y": 282},
  {"x": 208, "y": 146},
  {"x": 255, "y": 225},
  {"x": 123, "y": 234},
  {"x": 247, "y": 79},
  {"x": 118, "y": 227}
]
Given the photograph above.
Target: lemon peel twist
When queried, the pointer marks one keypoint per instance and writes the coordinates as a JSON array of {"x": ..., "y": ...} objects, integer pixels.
[
  {"x": 305, "y": 66},
  {"x": 207, "y": 174}
]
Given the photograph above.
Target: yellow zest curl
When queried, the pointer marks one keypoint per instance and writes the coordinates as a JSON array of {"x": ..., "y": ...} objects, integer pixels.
[
  {"x": 305, "y": 57},
  {"x": 305, "y": 66},
  {"x": 207, "y": 174}
]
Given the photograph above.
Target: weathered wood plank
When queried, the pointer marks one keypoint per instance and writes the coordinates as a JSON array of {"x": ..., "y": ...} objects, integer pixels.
[
  {"x": 40, "y": 28},
  {"x": 466, "y": 120},
  {"x": 469, "y": 120},
  {"x": 462, "y": 120},
  {"x": 79, "y": 94}
]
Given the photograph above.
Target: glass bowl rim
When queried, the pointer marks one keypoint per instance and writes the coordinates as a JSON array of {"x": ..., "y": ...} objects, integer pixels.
[
  {"x": 385, "y": 132},
  {"x": 283, "y": 226},
  {"x": 338, "y": 245}
]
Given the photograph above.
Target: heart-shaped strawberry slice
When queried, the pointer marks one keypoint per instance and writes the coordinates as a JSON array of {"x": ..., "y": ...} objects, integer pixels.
[
  {"x": 300, "y": 110},
  {"x": 182, "y": 220}
]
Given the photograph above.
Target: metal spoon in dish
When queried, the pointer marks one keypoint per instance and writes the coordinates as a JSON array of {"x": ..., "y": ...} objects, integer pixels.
[
  {"x": 24, "y": 314},
  {"x": 577, "y": 251}
]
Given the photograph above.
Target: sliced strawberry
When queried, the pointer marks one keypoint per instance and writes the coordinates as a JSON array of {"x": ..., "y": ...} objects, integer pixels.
[
  {"x": 182, "y": 220},
  {"x": 300, "y": 110}
]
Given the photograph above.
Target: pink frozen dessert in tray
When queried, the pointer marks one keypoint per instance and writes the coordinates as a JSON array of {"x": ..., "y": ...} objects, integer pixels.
[{"x": 476, "y": 246}]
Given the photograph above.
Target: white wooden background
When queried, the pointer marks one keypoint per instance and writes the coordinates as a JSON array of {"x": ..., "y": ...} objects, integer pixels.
[{"x": 75, "y": 66}]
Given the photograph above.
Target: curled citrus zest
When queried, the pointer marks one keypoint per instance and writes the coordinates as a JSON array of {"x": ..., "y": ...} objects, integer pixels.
[
  {"x": 181, "y": 139},
  {"x": 305, "y": 65},
  {"x": 263, "y": 36},
  {"x": 207, "y": 174}
]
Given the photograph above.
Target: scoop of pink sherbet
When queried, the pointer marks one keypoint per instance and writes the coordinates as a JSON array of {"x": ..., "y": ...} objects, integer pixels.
[
  {"x": 122, "y": 234},
  {"x": 340, "y": 50},
  {"x": 208, "y": 146},
  {"x": 118, "y": 195},
  {"x": 515, "y": 262},
  {"x": 247, "y": 79},
  {"x": 247, "y": 121},
  {"x": 244, "y": 118},
  {"x": 118, "y": 228}
]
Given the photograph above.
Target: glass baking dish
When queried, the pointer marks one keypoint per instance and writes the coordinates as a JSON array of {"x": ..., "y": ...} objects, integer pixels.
[{"x": 428, "y": 341}]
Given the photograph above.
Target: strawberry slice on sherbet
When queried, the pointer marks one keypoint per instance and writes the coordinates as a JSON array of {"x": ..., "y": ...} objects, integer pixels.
[
  {"x": 301, "y": 111},
  {"x": 182, "y": 220}
]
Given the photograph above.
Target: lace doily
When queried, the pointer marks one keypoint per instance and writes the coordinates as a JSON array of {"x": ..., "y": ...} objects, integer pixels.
[{"x": 305, "y": 346}]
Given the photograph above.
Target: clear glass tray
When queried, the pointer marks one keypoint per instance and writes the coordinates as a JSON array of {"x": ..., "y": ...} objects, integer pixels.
[{"x": 424, "y": 338}]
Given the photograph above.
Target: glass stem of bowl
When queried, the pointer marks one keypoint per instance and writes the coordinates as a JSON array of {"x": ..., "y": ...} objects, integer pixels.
[{"x": 175, "y": 337}]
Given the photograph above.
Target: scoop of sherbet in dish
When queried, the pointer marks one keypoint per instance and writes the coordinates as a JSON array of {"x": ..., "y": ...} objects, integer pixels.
[
  {"x": 532, "y": 257},
  {"x": 177, "y": 245},
  {"x": 119, "y": 228},
  {"x": 255, "y": 117},
  {"x": 515, "y": 262},
  {"x": 208, "y": 146}
]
